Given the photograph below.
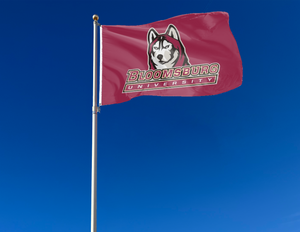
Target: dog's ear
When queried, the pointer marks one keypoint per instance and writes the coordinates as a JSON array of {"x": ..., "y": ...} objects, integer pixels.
[
  {"x": 172, "y": 31},
  {"x": 152, "y": 34}
]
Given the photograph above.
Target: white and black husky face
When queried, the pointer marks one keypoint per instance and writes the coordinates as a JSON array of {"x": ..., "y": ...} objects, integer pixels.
[
  {"x": 163, "y": 53},
  {"x": 166, "y": 50}
]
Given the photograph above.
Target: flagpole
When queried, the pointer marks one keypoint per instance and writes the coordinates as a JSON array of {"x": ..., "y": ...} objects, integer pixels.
[{"x": 94, "y": 129}]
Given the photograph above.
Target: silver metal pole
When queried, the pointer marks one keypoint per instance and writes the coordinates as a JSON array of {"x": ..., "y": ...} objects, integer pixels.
[{"x": 94, "y": 130}]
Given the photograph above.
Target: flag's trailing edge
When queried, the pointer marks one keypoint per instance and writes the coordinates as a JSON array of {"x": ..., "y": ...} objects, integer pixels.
[{"x": 187, "y": 55}]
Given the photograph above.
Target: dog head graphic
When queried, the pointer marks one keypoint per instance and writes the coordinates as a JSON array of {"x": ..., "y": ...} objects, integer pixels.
[{"x": 166, "y": 50}]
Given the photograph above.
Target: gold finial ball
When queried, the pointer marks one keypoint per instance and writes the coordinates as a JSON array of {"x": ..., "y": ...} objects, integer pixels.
[{"x": 95, "y": 17}]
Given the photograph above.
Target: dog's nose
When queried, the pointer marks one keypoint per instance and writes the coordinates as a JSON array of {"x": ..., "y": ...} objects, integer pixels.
[{"x": 159, "y": 56}]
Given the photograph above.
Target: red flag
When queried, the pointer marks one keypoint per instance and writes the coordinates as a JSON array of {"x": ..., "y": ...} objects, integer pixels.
[{"x": 188, "y": 55}]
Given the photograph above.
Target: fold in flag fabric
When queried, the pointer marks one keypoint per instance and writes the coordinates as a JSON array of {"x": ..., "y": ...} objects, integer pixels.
[{"x": 187, "y": 55}]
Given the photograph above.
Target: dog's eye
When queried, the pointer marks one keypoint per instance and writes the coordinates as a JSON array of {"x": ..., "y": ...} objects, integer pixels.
[
  {"x": 167, "y": 46},
  {"x": 155, "y": 48}
]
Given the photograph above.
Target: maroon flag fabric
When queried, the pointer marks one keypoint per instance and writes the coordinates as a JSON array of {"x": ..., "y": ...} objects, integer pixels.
[{"x": 187, "y": 55}]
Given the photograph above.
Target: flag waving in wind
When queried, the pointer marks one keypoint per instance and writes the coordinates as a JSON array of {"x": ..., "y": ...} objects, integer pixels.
[{"x": 187, "y": 55}]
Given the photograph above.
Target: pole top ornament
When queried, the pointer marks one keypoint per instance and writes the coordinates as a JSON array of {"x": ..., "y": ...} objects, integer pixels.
[{"x": 95, "y": 17}]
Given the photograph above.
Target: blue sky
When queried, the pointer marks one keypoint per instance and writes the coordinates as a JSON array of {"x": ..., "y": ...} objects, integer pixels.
[{"x": 220, "y": 163}]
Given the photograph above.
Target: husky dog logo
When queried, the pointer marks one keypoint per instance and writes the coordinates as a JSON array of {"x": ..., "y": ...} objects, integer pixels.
[
  {"x": 169, "y": 66},
  {"x": 166, "y": 50}
]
